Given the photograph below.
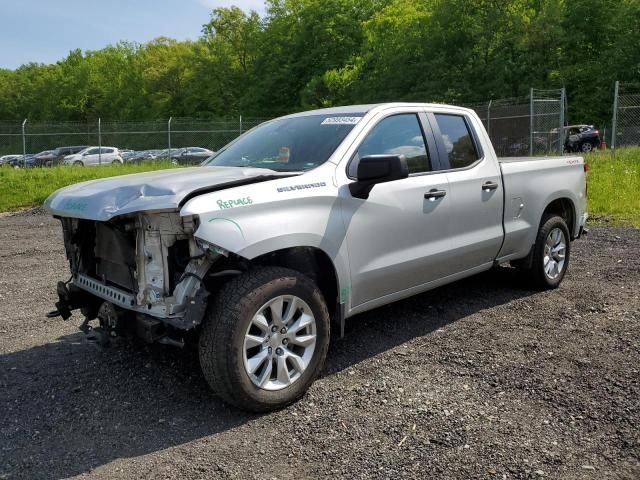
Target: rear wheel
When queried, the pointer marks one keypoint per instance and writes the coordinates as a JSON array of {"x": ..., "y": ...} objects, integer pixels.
[
  {"x": 264, "y": 339},
  {"x": 551, "y": 251},
  {"x": 586, "y": 147}
]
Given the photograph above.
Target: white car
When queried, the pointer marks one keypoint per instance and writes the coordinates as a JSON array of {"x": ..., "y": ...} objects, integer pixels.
[{"x": 94, "y": 156}]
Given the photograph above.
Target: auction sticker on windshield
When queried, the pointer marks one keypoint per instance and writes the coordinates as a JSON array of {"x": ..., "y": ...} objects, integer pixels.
[{"x": 341, "y": 120}]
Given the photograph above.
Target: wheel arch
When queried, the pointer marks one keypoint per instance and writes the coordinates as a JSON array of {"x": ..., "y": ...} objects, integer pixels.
[
  {"x": 565, "y": 208},
  {"x": 312, "y": 262}
]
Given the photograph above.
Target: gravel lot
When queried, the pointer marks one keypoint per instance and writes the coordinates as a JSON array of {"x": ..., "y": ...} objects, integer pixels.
[{"x": 481, "y": 379}]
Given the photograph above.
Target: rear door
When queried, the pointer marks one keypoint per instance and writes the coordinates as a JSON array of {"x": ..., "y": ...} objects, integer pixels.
[
  {"x": 474, "y": 227},
  {"x": 91, "y": 157},
  {"x": 108, "y": 155}
]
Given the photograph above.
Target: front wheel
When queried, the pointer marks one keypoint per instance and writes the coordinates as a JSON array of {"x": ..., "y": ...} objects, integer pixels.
[
  {"x": 264, "y": 339},
  {"x": 78, "y": 163}
]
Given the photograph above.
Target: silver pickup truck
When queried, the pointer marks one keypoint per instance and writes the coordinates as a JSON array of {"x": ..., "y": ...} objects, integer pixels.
[{"x": 302, "y": 222}]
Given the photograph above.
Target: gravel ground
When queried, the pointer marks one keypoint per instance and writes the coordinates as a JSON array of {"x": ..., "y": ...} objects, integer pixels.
[{"x": 480, "y": 379}]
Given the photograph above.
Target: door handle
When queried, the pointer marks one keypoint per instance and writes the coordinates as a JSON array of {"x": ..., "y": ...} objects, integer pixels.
[
  {"x": 434, "y": 193},
  {"x": 489, "y": 186}
]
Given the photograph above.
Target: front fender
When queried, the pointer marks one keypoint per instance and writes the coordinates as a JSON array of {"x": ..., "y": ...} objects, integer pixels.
[{"x": 258, "y": 223}]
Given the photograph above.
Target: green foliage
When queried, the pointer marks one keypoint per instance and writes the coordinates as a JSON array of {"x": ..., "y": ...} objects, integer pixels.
[
  {"x": 614, "y": 183},
  {"x": 20, "y": 188},
  {"x": 314, "y": 53}
]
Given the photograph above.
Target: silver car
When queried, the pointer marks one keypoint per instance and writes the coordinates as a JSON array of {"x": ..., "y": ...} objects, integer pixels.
[{"x": 94, "y": 156}]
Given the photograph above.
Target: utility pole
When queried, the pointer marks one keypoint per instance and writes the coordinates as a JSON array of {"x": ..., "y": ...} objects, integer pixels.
[
  {"x": 614, "y": 120},
  {"x": 99, "y": 141},
  {"x": 24, "y": 145},
  {"x": 169, "y": 136},
  {"x": 563, "y": 96},
  {"x": 531, "y": 124}
]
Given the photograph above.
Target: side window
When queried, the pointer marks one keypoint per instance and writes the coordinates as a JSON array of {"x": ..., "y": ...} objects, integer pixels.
[
  {"x": 398, "y": 134},
  {"x": 457, "y": 140},
  {"x": 107, "y": 150},
  {"x": 93, "y": 151}
]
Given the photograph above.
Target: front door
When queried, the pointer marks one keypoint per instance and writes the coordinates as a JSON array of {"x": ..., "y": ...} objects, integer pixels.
[{"x": 396, "y": 236}]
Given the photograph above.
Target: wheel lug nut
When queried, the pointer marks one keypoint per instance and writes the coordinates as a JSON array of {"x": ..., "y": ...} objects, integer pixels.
[
  {"x": 269, "y": 350},
  {"x": 279, "y": 351},
  {"x": 274, "y": 329},
  {"x": 284, "y": 330},
  {"x": 285, "y": 341}
]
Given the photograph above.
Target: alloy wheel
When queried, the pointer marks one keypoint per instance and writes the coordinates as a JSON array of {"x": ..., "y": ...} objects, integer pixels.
[{"x": 279, "y": 342}]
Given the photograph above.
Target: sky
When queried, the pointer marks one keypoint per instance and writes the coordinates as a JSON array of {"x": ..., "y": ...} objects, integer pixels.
[{"x": 45, "y": 31}]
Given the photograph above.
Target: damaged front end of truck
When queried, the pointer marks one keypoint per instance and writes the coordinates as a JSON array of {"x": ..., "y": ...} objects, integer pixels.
[
  {"x": 143, "y": 273},
  {"x": 135, "y": 263}
]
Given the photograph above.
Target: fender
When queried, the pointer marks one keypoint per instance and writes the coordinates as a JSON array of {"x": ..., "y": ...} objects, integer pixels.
[{"x": 252, "y": 220}]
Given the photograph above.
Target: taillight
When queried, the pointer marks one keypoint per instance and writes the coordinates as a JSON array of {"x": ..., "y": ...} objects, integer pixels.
[{"x": 585, "y": 165}]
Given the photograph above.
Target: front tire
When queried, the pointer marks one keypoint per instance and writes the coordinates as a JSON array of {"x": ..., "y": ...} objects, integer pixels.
[
  {"x": 264, "y": 339},
  {"x": 78, "y": 163}
]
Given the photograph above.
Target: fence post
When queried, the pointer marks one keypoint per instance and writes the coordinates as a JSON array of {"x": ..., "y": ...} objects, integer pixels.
[
  {"x": 99, "y": 141},
  {"x": 489, "y": 118},
  {"x": 614, "y": 120},
  {"x": 531, "y": 122},
  {"x": 563, "y": 96},
  {"x": 169, "y": 136},
  {"x": 240, "y": 124},
  {"x": 24, "y": 145}
]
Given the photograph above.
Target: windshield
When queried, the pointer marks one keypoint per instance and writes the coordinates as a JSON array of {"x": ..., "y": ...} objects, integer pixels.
[{"x": 289, "y": 144}]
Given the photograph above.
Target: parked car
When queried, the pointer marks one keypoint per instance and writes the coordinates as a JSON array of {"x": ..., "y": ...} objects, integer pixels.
[
  {"x": 191, "y": 155},
  {"x": 20, "y": 160},
  {"x": 309, "y": 218},
  {"x": 94, "y": 156},
  {"x": 581, "y": 138},
  {"x": 61, "y": 152},
  {"x": 126, "y": 154},
  {"x": 41, "y": 159},
  {"x": 7, "y": 159}
]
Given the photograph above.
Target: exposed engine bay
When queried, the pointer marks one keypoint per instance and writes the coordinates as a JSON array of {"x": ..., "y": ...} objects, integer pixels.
[{"x": 147, "y": 267}]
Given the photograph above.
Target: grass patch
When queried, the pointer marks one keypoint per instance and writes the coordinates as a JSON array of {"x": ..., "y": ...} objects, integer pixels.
[
  {"x": 613, "y": 197},
  {"x": 23, "y": 188},
  {"x": 614, "y": 186}
]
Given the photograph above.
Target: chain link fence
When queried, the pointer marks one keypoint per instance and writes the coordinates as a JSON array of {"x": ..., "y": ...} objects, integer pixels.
[
  {"x": 525, "y": 126},
  {"x": 163, "y": 139},
  {"x": 626, "y": 116},
  {"x": 517, "y": 127}
]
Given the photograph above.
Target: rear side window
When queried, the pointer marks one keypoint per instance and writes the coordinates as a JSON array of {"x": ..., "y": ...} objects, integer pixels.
[
  {"x": 93, "y": 151},
  {"x": 457, "y": 139},
  {"x": 400, "y": 135}
]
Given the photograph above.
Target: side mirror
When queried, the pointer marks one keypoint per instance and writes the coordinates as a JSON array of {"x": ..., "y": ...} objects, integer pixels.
[{"x": 374, "y": 169}]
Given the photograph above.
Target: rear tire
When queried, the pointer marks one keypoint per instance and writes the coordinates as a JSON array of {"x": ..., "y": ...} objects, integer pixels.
[
  {"x": 238, "y": 336},
  {"x": 550, "y": 256},
  {"x": 587, "y": 147}
]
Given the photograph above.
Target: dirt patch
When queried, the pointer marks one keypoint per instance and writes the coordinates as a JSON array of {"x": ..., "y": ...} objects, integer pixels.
[{"x": 480, "y": 379}]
